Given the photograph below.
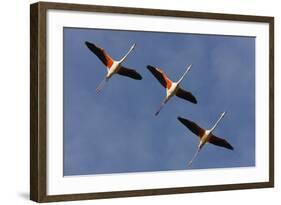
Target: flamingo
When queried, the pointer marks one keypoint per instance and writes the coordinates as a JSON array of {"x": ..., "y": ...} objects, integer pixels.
[
  {"x": 113, "y": 66},
  {"x": 172, "y": 88},
  {"x": 205, "y": 135}
]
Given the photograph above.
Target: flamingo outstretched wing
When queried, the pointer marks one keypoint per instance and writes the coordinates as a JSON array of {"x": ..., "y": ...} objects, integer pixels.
[
  {"x": 192, "y": 126},
  {"x": 181, "y": 93},
  {"x": 129, "y": 73},
  {"x": 101, "y": 54},
  {"x": 160, "y": 76},
  {"x": 220, "y": 142}
]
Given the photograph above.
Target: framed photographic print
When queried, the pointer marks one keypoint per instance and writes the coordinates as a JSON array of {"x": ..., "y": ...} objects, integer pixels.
[{"x": 134, "y": 102}]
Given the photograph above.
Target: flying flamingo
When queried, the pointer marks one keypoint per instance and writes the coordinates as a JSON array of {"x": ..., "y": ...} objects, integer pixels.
[
  {"x": 112, "y": 66},
  {"x": 172, "y": 88},
  {"x": 205, "y": 135}
]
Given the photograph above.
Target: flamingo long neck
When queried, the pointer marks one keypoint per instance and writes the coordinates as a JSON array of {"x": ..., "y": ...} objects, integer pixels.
[
  {"x": 189, "y": 67},
  {"x": 216, "y": 124},
  {"x": 125, "y": 56}
]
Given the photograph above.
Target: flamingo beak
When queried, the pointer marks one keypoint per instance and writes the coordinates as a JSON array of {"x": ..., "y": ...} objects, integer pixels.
[{"x": 133, "y": 46}]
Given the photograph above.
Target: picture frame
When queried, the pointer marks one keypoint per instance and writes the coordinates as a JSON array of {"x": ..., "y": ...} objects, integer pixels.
[{"x": 39, "y": 105}]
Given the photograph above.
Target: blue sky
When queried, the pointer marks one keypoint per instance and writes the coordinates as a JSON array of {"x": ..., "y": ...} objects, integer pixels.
[{"x": 116, "y": 131}]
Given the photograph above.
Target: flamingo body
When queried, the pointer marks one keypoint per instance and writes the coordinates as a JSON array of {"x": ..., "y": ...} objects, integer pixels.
[
  {"x": 204, "y": 139},
  {"x": 115, "y": 67},
  {"x": 172, "y": 90}
]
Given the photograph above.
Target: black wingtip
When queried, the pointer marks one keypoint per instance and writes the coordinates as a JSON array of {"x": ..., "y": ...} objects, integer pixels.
[
  {"x": 180, "y": 118},
  {"x": 229, "y": 146},
  {"x": 89, "y": 45},
  {"x": 193, "y": 99},
  {"x": 139, "y": 77}
]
